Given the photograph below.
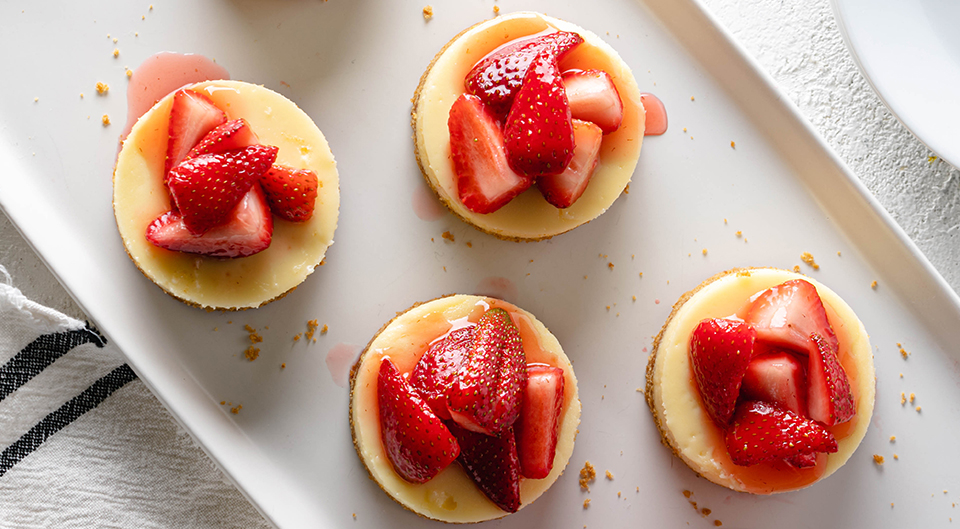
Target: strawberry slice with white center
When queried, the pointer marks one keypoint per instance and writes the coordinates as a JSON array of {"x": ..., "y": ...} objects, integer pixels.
[
  {"x": 192, "y": 116},
  {"x": 721, "y": 350},
  {"x": 488, "y": 390},
  {"x": 787, "y": 314},
  {"x": 537, "y": 427},
  {"x": 564, "y": 189},
  {"x": 485, "y": 181},
  {"x": 539, "y": 132},
  {"x": 232, "y": 135},
  {"x": 492, "y": 463},
  {"x": 593, "y": 97},
  {"x": 762, "y": 432},
  {"x": 830, "y": 401},
  {"x": 777, "y": 378},
  {"x": 248, "y": 230},
  {"x": 497, "y": 78},
  {"x": 436, "y": 370},
  {"x": 417, "y": 443},
  {"x": 205, "y": 189},
  {"x": 291, "y": 193}
]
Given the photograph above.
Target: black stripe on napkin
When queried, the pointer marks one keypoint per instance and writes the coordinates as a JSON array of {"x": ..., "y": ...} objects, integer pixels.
[
  {"x": 74, "y": 408},
  {"x": 40, "y": 353}
]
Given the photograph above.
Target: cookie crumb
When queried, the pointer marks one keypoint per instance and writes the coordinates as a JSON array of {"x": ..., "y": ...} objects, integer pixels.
[
  {"x": 903, "y": 398},
  {"x": 896, "y": 457},
  {"x": 878, "y": 459},
  {"x": 252, "y": 353},
  {"x": 296, "y": 337},
  {"x": 496, "y": 10},
  {"x": 102, "y": 88},
  {"x": 236, "y": 409},
  {"x": 116, "y": 52},
  {"x": 586, "y": 503},
  {"x": 733, "y": 145},
  {"x": 796, "y": 268},
  {"x": 893, "y": 438},
  {"x": 739, "y": 233},
  {"x": 807, "y": 258},
  {"x": 610, "y": 266},
  {"x": 311, "y": 328},
  {"x": 469, "y": 244},
  {"x": 129, "y": 73},
  {"x": 283, "y": 365},
  {"x": 903, "y": 351},
  {"x": 634, "y": 298},
  {"x": 918, "y": 409},
  {"x": 687, "y": 494},
  {"x": 691, "y": 98},
  {"x": 610, "y": 475},
  {"x": 913, "y": 397},
  {"x": 873, "y": 285},
  {"x": 717, "y": 523},
  {"x": 448, "y": 236},
  {"x": 587, "y": 474},
  {"x": 704, "y": 251},
  {"x": 427, "y": 12},
  {"x": 105, "y": 120},
  {"x": 324, "y": 329},
  {"x": 223, "y": 402},
  {"x": 838, "y": 253}
]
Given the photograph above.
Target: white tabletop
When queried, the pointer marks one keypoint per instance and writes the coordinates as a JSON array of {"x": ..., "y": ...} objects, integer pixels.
[{"x": 799, "y": 44}]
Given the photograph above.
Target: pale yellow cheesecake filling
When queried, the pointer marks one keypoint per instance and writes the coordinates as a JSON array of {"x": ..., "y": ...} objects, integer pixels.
[
  {"x": 690, "y": 430},
  {"x": 451, "y": 496},
  {"x": 527, "y": 216},
  {"x": 139, "y": 197}
]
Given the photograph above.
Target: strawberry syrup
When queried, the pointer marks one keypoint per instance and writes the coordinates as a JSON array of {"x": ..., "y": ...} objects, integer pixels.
[
  {"x": 340, "y": 358},
  {"x": 426, "y": 205},
  {"x": 656, "y": 115},
  {"x": 161, "y": 74}
]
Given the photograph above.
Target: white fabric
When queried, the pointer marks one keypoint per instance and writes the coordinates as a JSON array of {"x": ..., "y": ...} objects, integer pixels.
[{"x": 125, "y": 463}]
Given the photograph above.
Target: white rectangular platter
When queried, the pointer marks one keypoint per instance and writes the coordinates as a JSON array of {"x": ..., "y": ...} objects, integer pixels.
[{"x": 353, "y": 66}]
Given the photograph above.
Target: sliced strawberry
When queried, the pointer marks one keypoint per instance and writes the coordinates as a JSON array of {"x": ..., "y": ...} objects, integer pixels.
[
  {"x": 485, "y": 181},
  {"x": 787, "y": 314},
  {"x": 248, "y": 230},
  {"x": 291, "y": 193},
  {"x": 830, "y": 401},
  {"x": 564, "y": 189},
  {"x": 539, "y": 423},
  {"x": 492, "y": 463},
  {"x": 205, "y": 189},
  {"x": 232, "y": 135},
  {"x": 435, "y": 372},
  {"x": 417, "y": 443},
  {"x": 777, "y": 378},
  {"x": 593, "y": 97},
  {"x": 192, "y": 116},
  {"x": 721, "y": 350},
  {"x": 539, "y": 132},
  {"x": 488, "y": 390},
  {"x": 497, "y": 77},
  {"x": 762, "y": 432},
  {"x": 803, "y": 460}
]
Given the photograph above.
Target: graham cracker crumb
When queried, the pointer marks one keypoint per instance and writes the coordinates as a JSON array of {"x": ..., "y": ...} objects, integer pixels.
[
  {"x": 691, "y": 98},
  {"x": 895, "y": 456},
  {"x": 311, "y": 328},
  {"x": 105, "y": 119},
  {"x": 283, "y": 365},
  {"x": 717, "y": 523},
  {"x": 427, "y": 12},
  {"x": 116, "y": 53},
  {"x": 618, "y": 493},
  {"x": 739, "y": 233},
  {"x": 586, "y": 503},
  {"x": 296, "y": 337},
  {"x": 626, "y": 190},
  {"x": 448, "y": 236},
  {"x": 913, "y": 396},
  {"x": 587, "y": 474},
  {"x": 903, "y": 398},
  {"x": 469, "y": 244},
  {"x": 634, "y": 298},
  {"x": 733, "y": 145},
  {"x": 878, "y": 459},
  {"x": 704, "y": 251},
  {"x": 838, "y": 254},
  {"x": 687, "y": 494},
  {"x": 236, "y": 409},
  {"x": 706, "y": 512},
  {"x": 252, "y": 353},
  {"x": 223, "y": 402},
  {"x": 324, "y": 329},
  {"x": 129, "y": 73},
  {"x": 796, "y": 268},
  {"x": 807, "y": 258},
  {"x": 496, "y": 10},
  {"x": 893, "y": 438},
  {"x": 873, "y": 285},
  {"x": 610, "y": 475},
  {"x": 610, "y": 266},
  {"x": 903, "y": 351},
  {"x": 918, "y": 409}
]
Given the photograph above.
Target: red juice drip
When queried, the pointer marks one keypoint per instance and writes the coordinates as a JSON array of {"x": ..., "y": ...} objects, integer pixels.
[
  {"x": 656, "y": 115},
  {"x": 340, "y": 358},
  {"x": 161, "y": 74},
  {"x": 497, "y": 287},
  {"x": 426, "y": 205}
]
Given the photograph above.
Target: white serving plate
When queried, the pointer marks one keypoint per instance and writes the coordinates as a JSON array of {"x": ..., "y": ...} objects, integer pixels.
[
  {"x": 353, "y": 67},
  {"x": 909, "y": 51}
]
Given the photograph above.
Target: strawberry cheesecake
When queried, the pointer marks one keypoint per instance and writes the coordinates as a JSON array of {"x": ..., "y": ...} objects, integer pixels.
[
  {"x": 464, "y": 409},
  {"x": 527, "y": 126},
  {"x": 762, "y": 380},
  {"x": 226, "y": 195}
]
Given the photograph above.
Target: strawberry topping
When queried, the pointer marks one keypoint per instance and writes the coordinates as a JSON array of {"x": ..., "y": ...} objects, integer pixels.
[
  {"x": 485, "y": 181},
  {"x": 492, "y": 463},
  {"x": 778, "y": 378},
  {"x": 232, "y": 135},
  {"x": 488, "y": 390},
  {"x": 192, "y": 116},
  {"x": 206, "y": 189},
  {"x": 593, "y": 97},
  {"x": 787, "y": 314},
  {"x": 435, "y": 372},
  {"x": 248, "y": 230},
  {"x": 564, "y": 189},
  {"x": 721, "y": 350},
  {"x": 539, "y": 423},
  {"x": 830, "y": 400},
  {"x": 291, "y": 193},
  {"x": 762, "y": 432},
  {"x": 497, "y": 77},
  {"x": 417, "y": 443},
  {"x": 539, "y": 132}
]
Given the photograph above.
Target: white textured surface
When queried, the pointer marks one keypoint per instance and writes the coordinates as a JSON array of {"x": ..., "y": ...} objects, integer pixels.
[{"x": 798, "y": 43}]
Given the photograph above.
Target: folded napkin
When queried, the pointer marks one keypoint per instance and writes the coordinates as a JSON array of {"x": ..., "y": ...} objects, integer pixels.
[{"x": 85, "y": 444}]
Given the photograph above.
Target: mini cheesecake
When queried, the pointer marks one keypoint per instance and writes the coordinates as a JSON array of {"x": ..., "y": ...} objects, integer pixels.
[
  {"x": 140, "y": 196},
  {"x": 678, "y": 407},
  {"x": 451, "y": 496},
  {"x": 528, "y": 216}
]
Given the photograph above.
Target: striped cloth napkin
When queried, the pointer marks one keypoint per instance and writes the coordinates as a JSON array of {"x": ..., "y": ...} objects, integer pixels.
[{"x": 85, "y": 444}]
